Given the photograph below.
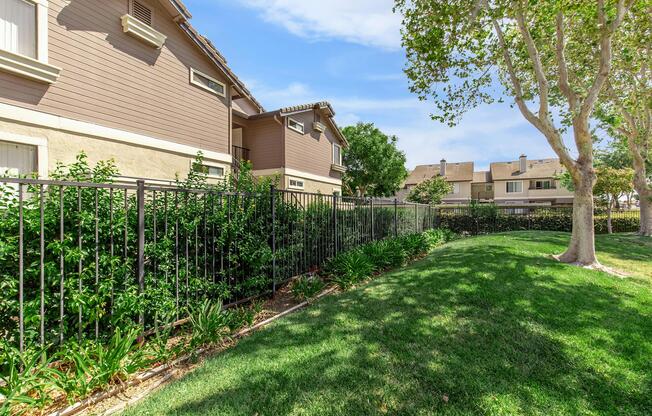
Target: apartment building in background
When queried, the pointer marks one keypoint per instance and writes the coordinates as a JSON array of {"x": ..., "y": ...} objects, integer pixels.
[
  {"x": 518, "y": 182},
  {"x": 133, "y": 81}
]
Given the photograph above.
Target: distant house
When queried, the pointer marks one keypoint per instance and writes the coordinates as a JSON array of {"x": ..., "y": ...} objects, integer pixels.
[
  {"x": 526, "y": 181},
  {"x": 132, "y": 80},
  {"x": 458, "y": 174},
  {"x": 521, "y": 182}
]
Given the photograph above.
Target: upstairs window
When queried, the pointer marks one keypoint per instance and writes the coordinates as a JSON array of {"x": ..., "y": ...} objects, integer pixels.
[
  {"x": 295, "y": 125},
  {"x": 18, "y": 28},
  {"x": 541, "y": 184},
  {"x": 207, "y": 83},
  {"x": 514, "y": 187},
  {"x": 337, "y": 154},
  {"x": 456, "y": 188}
]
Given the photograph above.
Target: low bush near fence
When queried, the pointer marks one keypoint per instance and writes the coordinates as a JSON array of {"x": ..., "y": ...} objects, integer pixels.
[
  {"x": 468, "y": 220},
  {"x": 355, "y": 266}
]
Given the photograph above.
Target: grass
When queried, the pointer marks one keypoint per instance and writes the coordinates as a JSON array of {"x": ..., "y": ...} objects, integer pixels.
[{"x": 484, "y": 325}]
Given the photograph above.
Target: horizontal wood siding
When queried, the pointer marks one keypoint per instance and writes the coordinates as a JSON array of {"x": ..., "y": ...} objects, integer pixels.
[
  {"x": 312, "y": 151},
  {"x": 114, "y": 80},
  {"x": 265, "y": 139}
]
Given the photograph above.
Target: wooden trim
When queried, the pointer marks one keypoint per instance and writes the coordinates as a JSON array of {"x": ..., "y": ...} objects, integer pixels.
[{"x": 142, "y": 31}]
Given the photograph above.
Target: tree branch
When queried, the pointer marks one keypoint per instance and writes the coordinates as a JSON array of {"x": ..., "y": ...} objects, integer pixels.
[
  {"x": 564, "y": 84},
  {"x": 535, "y": 57},
  {"x": 551, "y": 134}
]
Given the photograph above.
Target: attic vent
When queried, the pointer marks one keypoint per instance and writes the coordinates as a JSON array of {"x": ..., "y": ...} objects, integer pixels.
[{"x": 141, "y": 12}]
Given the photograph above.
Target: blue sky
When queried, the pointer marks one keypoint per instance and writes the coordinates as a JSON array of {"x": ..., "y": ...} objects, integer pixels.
[{"x": 348, "y": 52}]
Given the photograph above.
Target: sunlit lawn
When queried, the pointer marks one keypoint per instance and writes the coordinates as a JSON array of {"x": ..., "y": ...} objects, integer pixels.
[{"x": 486, "y": 325}]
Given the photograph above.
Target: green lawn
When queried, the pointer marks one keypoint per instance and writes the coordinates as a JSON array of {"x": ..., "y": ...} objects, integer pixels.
[{"x": 485, "y": 325}]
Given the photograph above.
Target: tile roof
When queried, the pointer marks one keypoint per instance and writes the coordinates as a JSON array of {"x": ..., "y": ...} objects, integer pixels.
[
  {"x": 536, "y": 169},
  {"x": 455, "y": 172},
  {"x": 483, "y": 176}
]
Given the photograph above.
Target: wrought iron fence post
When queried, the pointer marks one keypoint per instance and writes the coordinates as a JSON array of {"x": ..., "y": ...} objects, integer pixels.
[
  {"x": 140, "y": 199},
  {"x": 272, "y": 192},
  {"x": 335, "y": 222},
  {"x": 395, "y": 217},
  {"x": 373, "y": 227}
]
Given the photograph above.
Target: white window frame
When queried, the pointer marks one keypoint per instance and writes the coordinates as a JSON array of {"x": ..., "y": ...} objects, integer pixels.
[
  {"x": 337, "y": 162},
  {"x": 301, "y": 129},
  {"x": 37, "y": 68},
  {"x": 297, "y": 186},
  {"x": 41, "y": 150},
  {"x": 514, "y": 192},
  {"x": 193, "y": 71}
]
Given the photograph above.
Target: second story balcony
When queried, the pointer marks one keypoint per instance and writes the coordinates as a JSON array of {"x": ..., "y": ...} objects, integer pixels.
[{"x": 240, "y": 153}]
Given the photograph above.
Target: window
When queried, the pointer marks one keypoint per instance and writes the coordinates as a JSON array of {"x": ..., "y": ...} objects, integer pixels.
[
  {"x": 295, "y": 183},
  {"x": 17, "y": 159},
  {"x": 295, "y": 125},
  {"x": 141, "y": 12},
  {"x": 213, "y": 171},
  {"x": 514, "y": 187},
  {"x": 205, "y": 82},
  {"x": 456, "y": 188},
  {"x": 18, "y": 29},
  {"x": 547, "y": 184},
  {"x": 488, "y": 187},
  {"x": 337, "y": 154}
]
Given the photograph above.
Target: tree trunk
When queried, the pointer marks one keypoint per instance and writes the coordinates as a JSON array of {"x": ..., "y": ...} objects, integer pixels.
[
  {"x": 646, "y": 212},
  {"x": 581, "y": 249},
  {"x": 610, "y": 229}
]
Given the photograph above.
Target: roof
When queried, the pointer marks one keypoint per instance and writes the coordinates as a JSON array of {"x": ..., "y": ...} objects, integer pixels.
[
  {"x": 455, "y": 172},
  {"x": 536, "y": 169},
  {"x": 320, "y": 105},
  {"x": 182, "y": 16},
  {"x": 483, "y": 176}
]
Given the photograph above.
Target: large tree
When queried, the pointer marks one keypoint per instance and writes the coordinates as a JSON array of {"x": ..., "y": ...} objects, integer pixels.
[
  {"x": 458, "y": 49},
  {"x": 374, "y": 165},
  {"x": 626, "y": 103}
]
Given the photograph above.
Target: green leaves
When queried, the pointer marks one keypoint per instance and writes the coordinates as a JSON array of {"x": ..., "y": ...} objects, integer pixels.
[
  {"x": 375, "y": 166},
  {"x": 430, "y": 191}
]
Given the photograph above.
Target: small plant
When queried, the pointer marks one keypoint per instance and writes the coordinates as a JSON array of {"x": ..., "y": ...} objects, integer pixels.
[
  {"x": 438, "y": 237},
  {"x": 306, "y": 287},
  {"x": 244, "y": 316},
  {"x": 349, "y": 268},
  {"x": 26, "y": 379},
  {"x": 209, "y": 323}
]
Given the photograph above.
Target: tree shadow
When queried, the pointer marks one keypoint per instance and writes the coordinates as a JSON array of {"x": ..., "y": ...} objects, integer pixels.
[{"x": 469, "y": 330}]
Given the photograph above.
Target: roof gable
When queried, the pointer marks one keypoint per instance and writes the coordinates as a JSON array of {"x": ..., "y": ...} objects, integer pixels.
[
  {"x": 536, "y": 169},
  {"x": 455, "y": 172}
]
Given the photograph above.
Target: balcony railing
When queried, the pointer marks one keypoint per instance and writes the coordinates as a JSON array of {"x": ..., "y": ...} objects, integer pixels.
[{"x": 240, "y": 153}]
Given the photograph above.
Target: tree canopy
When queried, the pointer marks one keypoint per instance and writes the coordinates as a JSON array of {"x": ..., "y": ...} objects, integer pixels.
[
  {"x": 374, "y": 164},
  {"x": 430, "y": 191}
]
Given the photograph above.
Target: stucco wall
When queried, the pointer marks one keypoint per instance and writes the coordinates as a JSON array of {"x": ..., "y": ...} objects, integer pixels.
[{"x": 131, "y": 160}]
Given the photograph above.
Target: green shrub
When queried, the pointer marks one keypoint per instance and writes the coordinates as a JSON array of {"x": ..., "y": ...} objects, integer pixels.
[
  {"x": 243, "y": 316},
  {"x": 437, "y": 237},
  {"x": 306, "y": 287},
  {"x": 349, "y": 268},
  {"x": 414, "y": 244},
  {"x": 209, "y": 323}
]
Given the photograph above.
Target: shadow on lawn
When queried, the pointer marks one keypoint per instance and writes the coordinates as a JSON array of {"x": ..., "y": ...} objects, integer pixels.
[{"x": 494, "y": 330}]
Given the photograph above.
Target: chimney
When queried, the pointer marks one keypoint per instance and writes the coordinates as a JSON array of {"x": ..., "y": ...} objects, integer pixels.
[
  {"x": 523, "y": 163},
  {"x": 442, "y": 167}
]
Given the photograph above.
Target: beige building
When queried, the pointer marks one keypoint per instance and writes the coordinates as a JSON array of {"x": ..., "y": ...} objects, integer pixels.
[
  {"x": 458, "y": 174},
  {"x": 526, "y": 181},
  {"x": 133, "y": 81},
  {"x": 520, "y": 182}
]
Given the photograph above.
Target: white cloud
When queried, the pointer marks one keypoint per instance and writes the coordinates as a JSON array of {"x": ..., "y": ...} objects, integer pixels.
[{"x": 366, "y": 22}]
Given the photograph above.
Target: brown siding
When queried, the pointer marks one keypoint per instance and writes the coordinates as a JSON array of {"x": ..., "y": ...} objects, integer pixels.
[
  {"x": 264, "y": 138},
  {"x": 114, "y": 80},
  {"x": 311, "y": 152}
]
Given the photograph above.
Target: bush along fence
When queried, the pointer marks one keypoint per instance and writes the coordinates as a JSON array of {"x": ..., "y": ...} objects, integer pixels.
[
  {"x": 488, "y": 218},
  {"x": 78, "y": 260}
]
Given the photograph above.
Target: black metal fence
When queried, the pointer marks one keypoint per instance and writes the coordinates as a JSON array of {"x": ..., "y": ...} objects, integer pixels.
[
  {"x": 482, "y": 219},
  {"x": 78, "y": 260}
]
